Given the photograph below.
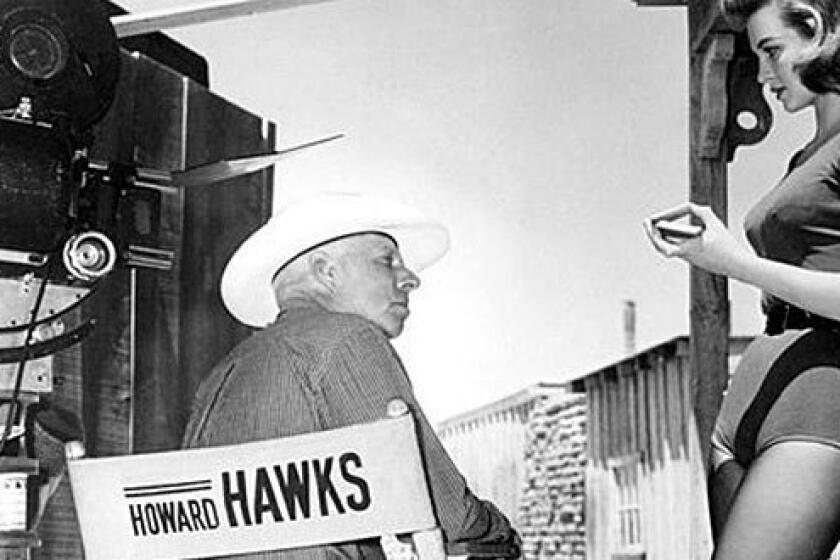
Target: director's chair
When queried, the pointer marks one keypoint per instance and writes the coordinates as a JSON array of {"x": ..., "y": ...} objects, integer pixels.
[{"x": 308, "y": 490}]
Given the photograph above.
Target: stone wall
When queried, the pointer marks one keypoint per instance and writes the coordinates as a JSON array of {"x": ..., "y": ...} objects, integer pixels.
[
  {"x": 488, "y": 446},
  {"x": 551, "y": 514}
]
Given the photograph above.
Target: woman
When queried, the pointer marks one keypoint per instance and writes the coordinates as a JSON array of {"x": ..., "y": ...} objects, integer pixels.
[{"x": 775, "y": 482}]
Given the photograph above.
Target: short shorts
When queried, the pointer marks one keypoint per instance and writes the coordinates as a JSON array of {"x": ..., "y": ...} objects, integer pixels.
[{"x": 785, "y": 388}]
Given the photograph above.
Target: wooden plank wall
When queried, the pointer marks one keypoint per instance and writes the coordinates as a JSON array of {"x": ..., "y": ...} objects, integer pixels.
[
  {"x": 133, "y": 392},
  {"x": 641, "y": 412},
  {"x": 216, "y": 220},
  {"x": 500, "y": 434}
]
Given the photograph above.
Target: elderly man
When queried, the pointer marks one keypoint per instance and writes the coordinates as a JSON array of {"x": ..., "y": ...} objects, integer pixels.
[{"x": 327, "y": 279}]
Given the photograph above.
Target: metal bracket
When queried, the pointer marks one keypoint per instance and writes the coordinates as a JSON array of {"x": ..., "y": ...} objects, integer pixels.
[
  {"x": 19, "y": 295},
  {"x": 749, "y": 118},
  {"x": 24, "y": 258}
]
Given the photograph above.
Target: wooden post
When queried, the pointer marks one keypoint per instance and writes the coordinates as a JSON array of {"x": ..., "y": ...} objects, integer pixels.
[
  {"x": 709, "y": 311},
  {"x": 711, "y": 45},
  {"x": 709, "y": 56}
]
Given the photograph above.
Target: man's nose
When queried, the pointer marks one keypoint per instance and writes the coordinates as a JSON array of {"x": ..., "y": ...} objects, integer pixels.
[{"x": 407, "y": 281}]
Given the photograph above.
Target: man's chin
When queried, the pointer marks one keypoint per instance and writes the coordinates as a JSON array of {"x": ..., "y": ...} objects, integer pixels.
[{"x": 393, "y": 329}]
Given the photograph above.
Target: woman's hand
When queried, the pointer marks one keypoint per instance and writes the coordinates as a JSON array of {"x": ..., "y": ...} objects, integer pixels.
[{"x": 715, "y": 250}]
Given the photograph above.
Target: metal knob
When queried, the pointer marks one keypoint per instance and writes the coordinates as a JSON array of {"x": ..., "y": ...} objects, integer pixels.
[{"x": 89, "y": 255}]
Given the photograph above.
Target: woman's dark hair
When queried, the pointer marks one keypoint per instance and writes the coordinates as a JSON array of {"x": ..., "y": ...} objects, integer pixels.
[{"x": 820, "y": 72}]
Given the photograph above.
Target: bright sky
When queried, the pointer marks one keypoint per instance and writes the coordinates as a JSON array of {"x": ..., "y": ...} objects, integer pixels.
[{"x": 541, "y": 132}]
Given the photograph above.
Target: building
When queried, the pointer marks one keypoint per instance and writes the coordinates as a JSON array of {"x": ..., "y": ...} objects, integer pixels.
[
  {"x": 645, "y": 473},
  {"x": 606, "y": 466},
  {"x": 488, "y": 445}
]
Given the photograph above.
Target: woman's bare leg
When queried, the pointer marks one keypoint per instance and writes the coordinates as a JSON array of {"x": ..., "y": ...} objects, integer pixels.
[
  {"x": 723, "y": 487},
  {"x": 787, "y": 506}
]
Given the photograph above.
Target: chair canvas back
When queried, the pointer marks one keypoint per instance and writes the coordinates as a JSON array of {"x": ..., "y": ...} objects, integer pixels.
[{"x": 346, "y": 484}]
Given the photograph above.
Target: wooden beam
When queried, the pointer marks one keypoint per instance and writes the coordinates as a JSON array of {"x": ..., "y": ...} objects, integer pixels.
[
  {"x": 644, "y": 3},
  {"x": 705, "y": 20},
  {"x": 713, "y": 85},
  {"x": 709, "y": 308},
  {"x": 709, "y": 59},
  {"x": 138, "y": 24},
  {"x": 709, "y": 311}
]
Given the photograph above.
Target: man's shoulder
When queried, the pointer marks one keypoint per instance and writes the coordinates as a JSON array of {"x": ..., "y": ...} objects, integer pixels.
[
  {"x": 321, "y": 328},
  {"x": 316, "y": 332},
  {"x": 329, "y": 327}
]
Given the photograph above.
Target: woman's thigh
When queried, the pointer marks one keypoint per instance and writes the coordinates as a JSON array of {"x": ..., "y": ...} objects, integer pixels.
[
  {"x": 787, "y": 506},
  {"x": 723, "y": 486}
]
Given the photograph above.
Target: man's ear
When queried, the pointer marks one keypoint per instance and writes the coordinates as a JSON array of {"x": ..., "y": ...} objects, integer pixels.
[{"x": 324, "y": 269}]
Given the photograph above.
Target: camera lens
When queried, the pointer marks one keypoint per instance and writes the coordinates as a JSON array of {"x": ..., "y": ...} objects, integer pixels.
[{"x": 36, "y": 51}]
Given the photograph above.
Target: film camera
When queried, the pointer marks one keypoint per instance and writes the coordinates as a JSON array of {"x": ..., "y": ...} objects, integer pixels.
[
  {"x": 65, "y": 222},
  {"x": 59, "y": 67}
]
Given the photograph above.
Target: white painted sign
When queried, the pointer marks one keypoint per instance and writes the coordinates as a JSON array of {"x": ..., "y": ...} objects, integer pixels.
[{"x": 339, "y": 485}]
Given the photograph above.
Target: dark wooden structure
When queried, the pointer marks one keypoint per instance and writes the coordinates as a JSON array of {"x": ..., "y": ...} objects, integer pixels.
[{"x": 159, "y": 332}]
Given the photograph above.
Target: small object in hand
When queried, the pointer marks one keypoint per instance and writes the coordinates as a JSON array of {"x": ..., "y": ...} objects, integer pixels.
[{"x": 677, "y": 230}]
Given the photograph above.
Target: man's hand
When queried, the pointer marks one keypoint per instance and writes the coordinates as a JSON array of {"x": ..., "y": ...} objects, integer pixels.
[{"x": 500, "y": 540}]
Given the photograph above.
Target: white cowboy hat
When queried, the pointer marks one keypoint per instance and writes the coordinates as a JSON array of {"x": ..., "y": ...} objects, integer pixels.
[{"x": 246, "y": 281}]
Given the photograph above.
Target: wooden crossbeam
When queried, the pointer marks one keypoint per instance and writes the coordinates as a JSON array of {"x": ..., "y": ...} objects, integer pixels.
[
  {"x": 705, "y": 20},
  {"x": 129, "y": 25},
  {"x": 644, "y": 3}
]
